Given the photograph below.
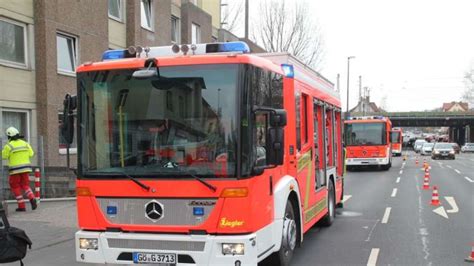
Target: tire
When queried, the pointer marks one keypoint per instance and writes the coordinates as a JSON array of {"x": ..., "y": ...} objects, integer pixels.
[
  {"x": 289, "y": 239},
  {"x": 329, "y": 218}
]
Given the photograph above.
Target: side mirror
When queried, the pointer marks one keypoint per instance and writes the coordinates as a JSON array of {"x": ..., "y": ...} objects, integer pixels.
[
  {"x": 275, "y": 146},
  {"x": 278, "y": 118},
  {"x": 67, "y": 128}
]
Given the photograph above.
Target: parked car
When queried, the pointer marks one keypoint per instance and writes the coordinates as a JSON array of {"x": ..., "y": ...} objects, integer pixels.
[
  {"x": 468, "y": 147},
  {"x": 442, "y": 150},
  {"x": 418, "y": 144},
  {"x": 427, "y": 148},
  {"x": 456, "y": 148}
]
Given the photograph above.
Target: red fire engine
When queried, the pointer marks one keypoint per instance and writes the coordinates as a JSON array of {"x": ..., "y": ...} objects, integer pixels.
[
  {"x": 203, "y": 154},
  {"x": 367, "y": 141},
  {"x": 396, "y": 138}
]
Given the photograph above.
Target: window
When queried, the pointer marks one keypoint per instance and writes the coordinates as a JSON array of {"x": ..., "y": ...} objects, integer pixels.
[
  {"x": 305, "y": 118},
  {"x": 116, "y": 9},
  {"x": 62, "y": 141},
  {"x": 146, "y": 14},
  {"x": 195, "y": 33},
  {"x": 17, "y": 119},
  {"x": 12, "y": 43},
  {"x": 67, "y": 53},
  {"x": 174, "y": 29},
  {"x": 298, "y": 120}
]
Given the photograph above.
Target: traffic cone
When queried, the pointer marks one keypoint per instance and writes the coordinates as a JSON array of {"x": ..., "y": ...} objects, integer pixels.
[
  {"x": 435, "y": 197},
  {"x": 471, "y": 258},
  {"x": 426, "y": 183}
]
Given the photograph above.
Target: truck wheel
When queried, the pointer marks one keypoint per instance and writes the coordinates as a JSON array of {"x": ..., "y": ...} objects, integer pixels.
[
  {"x": 288, "y": 239},
  {"x": 329, "y": 218}
]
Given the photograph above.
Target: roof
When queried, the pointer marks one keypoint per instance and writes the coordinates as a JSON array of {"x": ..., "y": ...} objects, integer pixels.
[{"x": 448, "y": 106}]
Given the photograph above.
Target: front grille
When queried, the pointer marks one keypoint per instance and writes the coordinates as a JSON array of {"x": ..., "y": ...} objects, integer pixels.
[
  {"x": 174, "y": 211},
  {"x": 156, "y": 244}
]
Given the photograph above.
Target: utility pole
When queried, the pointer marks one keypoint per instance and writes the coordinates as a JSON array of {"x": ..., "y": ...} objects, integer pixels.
[
  {"x": 348, "y": 67},
  {"x": 337, "y": 82},
  {"x": 246, "y": 19},
  {"x": 360, "y": 88}
]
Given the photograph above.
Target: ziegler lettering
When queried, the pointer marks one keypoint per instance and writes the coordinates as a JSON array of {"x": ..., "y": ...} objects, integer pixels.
[{"x": 226, "y": 223}]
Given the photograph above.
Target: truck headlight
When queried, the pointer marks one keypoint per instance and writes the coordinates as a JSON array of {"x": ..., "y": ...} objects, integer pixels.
[
  {"x": 88, "y": 243},
  {"x": 233, "y": 248}
]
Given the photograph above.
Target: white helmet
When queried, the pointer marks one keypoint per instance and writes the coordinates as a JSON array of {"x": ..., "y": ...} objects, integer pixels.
[{"x": 11, "y": 132}]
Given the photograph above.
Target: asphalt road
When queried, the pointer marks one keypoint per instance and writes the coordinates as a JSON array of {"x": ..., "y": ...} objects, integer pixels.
[
  {"x": 411, "y": 233},
  {"x": 364, "y": 232}
]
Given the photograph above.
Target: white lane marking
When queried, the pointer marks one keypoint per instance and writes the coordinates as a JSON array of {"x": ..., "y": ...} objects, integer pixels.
[
  {"x": 457, "y": 171},
  {"x": 468, "y": 179},
  {"x": 346, "y": 198},
  {"x": 401, "y": 171},
  {"x": 453, "y": 204},
  {"x": 386, "y": 215},
  {"x": 394, "y": 192},
  {"x": 398, "y": 180},
  {"x": 449, "y": 166},
  {"x": 372, "y": 231},
  {"x": 441, "y": 211},
  {"x": 374, "y": 253}
]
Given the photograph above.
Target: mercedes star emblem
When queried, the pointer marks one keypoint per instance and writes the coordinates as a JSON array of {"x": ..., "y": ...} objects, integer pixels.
[{"x": 154, "y": 210}]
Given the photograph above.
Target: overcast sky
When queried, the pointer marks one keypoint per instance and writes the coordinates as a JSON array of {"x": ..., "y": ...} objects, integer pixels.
[{"x": 413, "y": 52}]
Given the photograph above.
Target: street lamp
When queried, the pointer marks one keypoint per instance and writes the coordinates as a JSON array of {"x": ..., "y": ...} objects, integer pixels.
[{"x": 348, "y": 64}]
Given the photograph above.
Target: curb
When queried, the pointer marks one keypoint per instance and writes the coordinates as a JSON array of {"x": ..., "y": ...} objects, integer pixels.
[{"x": 49, "y": 200}]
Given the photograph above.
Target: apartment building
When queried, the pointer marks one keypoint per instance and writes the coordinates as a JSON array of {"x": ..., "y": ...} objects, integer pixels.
[{"x": 43, "y": 41}]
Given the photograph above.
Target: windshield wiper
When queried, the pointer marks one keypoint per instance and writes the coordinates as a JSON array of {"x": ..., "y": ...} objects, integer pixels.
[
  {"x": 202, "y": 181},
  {"x": 142, "y": 185}
]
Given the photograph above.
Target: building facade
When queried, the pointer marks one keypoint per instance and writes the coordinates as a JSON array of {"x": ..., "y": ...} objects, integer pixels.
[{"x": 43, "y": 41}]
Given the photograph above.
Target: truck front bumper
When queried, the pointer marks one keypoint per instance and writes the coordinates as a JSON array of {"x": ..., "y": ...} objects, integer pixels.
[
  {"x": 118, "y": 248},
  {"x": 366, "y": 161}
]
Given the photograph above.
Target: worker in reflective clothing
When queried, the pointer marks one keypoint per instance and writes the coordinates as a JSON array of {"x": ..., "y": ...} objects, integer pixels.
[{"x": 18, "y": 153}]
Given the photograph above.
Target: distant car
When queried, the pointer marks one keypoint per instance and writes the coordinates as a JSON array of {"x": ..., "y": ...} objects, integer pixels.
[
  {"x": 418, "y": 144},
  {"x": 427, "y": 148},
  {"x": 442, "y": 150},
  {"x": 468, "y": 147},
  {"x": 456, "y": 148}
]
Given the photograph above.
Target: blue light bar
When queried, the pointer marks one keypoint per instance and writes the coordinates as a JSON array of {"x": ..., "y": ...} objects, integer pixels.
[
  {"x": 288, "y": 70},
  {"x": 234, "y": 47},
  {"x": 113, "y": 54}
]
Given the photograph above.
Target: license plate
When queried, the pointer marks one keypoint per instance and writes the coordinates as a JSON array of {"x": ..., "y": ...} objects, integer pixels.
[
  {"x": 444, "y": 154},
  {"x": 154, "y": 258}
]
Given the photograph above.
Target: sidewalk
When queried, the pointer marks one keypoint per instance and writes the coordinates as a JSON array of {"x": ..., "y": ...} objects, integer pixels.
[{"x": 51, "y": 228}]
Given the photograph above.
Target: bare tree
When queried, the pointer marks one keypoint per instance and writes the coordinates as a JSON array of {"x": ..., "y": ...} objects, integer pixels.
[
  {"x": 284, "y": 27},
  {"x": 232, "y": 15},
  {"x": 468, "y": 94}
]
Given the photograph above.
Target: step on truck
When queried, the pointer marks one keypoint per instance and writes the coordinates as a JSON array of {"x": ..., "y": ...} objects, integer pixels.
[{"x": 202, "y": 155}]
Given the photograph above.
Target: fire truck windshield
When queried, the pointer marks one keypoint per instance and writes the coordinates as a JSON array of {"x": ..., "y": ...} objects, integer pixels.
[
  {"x": 396, "y": 137},
  {"x": 365, "y": 134},
  {"x": 182, "y": 120}
]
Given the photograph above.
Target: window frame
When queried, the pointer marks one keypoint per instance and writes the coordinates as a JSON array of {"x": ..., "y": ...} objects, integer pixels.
[
  {"x": 27, "y": 122},
  {"x": 198, "y": 33},
  {"x": 76, "y": 50},
  {"x": 177, "y": 33},
  {"x": 121, "y": 11},
  {"x": 14, "y": 64},
  {"x": 152, "y": 15}
]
